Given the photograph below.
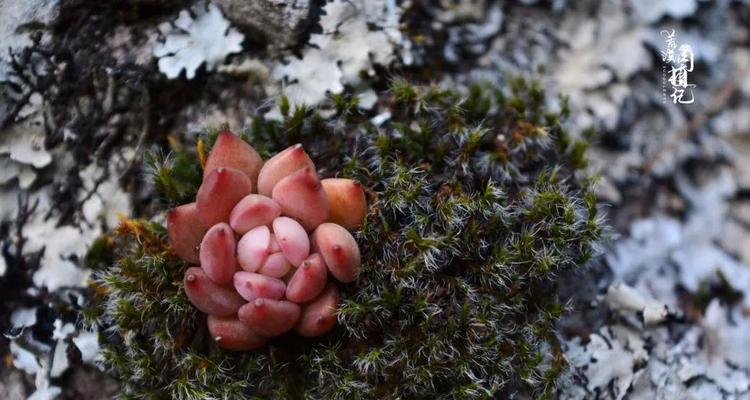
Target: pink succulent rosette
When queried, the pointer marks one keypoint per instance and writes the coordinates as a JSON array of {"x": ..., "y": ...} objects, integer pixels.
[{"x": 271, "y": 240}]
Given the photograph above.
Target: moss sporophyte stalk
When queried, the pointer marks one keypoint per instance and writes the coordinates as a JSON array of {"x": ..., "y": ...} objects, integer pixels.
[{"x": 415, "y": 259}]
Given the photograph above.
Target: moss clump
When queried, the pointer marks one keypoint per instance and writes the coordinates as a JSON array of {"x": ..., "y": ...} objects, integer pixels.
[{"x": 474, "y": 210}]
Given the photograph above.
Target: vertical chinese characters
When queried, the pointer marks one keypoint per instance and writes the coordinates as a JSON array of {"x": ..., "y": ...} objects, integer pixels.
[{"x": 681, "y": 62}]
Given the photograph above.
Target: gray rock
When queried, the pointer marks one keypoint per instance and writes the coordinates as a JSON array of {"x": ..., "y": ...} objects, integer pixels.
[
  {"x": 12, "y": 386},
  {"x": 18, "y": 19},
  {"x": 282, "y": 21}
]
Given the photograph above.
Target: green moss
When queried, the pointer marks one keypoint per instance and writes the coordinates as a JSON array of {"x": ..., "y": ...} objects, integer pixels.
[{"x": 474, "y": 211}]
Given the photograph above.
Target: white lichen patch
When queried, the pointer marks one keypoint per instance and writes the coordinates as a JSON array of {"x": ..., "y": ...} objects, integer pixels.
[
  {"x": 25, "y": 146},
  {"x": 102, "y": 206},
  {"x": 678, "y": 364},
  {"x": 44, "y": 390},
  {"x": 607, "y": 363},
  {"x": 310, "y": 79},
  {"x": 356, "y": 36},
  {"x": 18, "y": 14},
  {"x": 22, "y": 318},
  {"x": 22, "y": 151},
  {"x": 589, "y": 70},
  {"x": 64, "y": 245},
  {"x": 26, "y": 360},
  {"x": 60, "y": 362},
  {"x": 652, "y": 10},
  {"x": 23, "y": 359},
  {"x": 88, "y": 344},
  {"x": 61, "y": 244},
  {"x": 60, "y": 274},
  {"x": 189, "y": 42},
  {"x": 660, "y": 257}
]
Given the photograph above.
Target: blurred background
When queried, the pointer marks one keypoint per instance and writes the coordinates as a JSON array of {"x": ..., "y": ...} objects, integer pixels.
[{"x": 662, "y": 88}]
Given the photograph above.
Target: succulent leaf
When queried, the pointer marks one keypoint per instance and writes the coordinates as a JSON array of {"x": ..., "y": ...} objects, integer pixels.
[
  {"x": 301, "y": 197},
  {"x": 231, "y": 334},
  {"x": 253, "y": 248},
  {"x": 209, "y": 297},
  {"x": 270, "y": 317},
  {"x": 276, "y": 266},
  {"x": 339, "y": 250},
  {"x": 308, "y": 280},
  {"x": 185, "y": 231},
  {"x": 229, "y": 151},
  {"x": 319, "y": 316},
  {"x": 217, "y": 252},
  {"x": 347, "y": 202},
  {"x": 282, "y": 165},
  {"x": 253, "y": 286},
  {"x": 292, "y": 239},
  {"x": 220, "y": 191},
  {"x": 253, "y": 211}
]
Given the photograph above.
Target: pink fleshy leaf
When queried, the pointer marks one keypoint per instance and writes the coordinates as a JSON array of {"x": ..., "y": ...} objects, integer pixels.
[
  {"x": 285, "y": 163},
  {"x": 276, "y": 266},
  {"x": 308, "y": 281},
  {"x": 274, "y": 248},
  {"x": 270, "y": 317},
  {"x": 209, "y": 297},
  {"x": 252, "y": 248},
  {"x": 301, "y": 196},
  {"x": 253, "y": 211},
  {"x": 347, "y": 202},
  {"x": 253, "y": 286},
  {"x": 230, "y": 151},
  {"x": 231, "y": 334},
  {"x": 217, "y": 254},
  {"x": 220, "y": 191},
  {"x": 339, "y": 250},
  {"x": 185, "y": 231},
  {"x": 292, "y": 238},
  {"x": 319, "y": 316}
]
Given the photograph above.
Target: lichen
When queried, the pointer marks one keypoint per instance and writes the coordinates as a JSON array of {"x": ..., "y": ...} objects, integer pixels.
[
  {"x": 191, "y": 42},
  {"x": 474, "y": 209}
]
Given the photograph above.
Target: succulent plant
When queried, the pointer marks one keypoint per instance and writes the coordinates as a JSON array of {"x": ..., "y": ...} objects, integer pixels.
[
  {"x": 257, "y": 274},
  {"x": 476, "y": 202}
]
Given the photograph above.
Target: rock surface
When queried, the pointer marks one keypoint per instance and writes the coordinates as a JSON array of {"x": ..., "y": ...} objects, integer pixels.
[
  {"x": 282, "y": 21},
  {"x": 674, "y": 246},
  {"x": 17, "y": 19}
]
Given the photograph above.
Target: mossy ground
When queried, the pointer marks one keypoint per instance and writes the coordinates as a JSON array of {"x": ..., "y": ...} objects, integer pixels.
[{"x": 474, "y": 209}]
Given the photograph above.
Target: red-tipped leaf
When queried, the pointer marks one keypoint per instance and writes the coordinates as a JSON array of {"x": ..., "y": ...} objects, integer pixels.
[
  {"x": 347, "y": 202},
  {"x": 339, "y": 250},
  {"x": 301, "y": 196},
  {"x": 230, "y": 151},
  {"x": 231, "y": 334},
  {"x": 292, "y": 239},
  {"x": 253, "y": 286},
  {"x": 319, "y": 316},
  {"x": 308, "y": 281},
  {"x": 220, "y": 191},
  {"x": 253, "y": 211},
  {"x": 217, "y": 254},
  {"x": 185, "y": 231},
  {"x": 281, "y": 165},
  {"x": 209, "y": 297},
  {"x": 270, "y": 317}
]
